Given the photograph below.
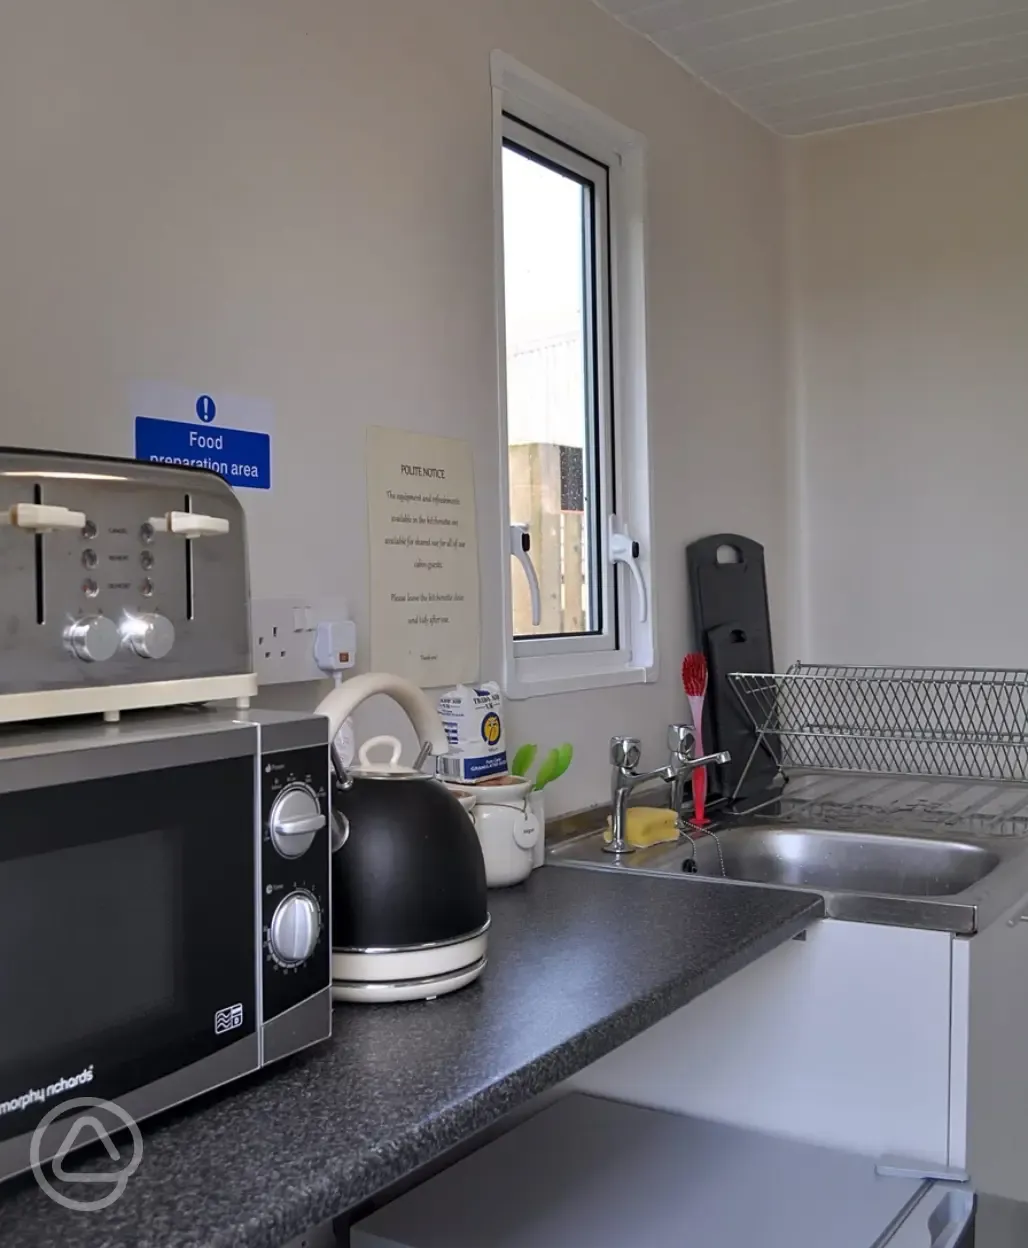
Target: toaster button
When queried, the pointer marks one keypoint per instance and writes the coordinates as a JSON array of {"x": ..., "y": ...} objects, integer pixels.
[
  {"x": 151, "y": 636},
  {"x": 93, "y": 638}
]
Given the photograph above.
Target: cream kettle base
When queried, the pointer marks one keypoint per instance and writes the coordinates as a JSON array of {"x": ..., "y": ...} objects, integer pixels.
[{"x": 411, "y": 974}]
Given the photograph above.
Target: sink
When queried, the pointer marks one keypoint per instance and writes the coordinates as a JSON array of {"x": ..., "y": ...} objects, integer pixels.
[
  {"x": 823, "y": 859},
  {"x": 940, "y": 880}
]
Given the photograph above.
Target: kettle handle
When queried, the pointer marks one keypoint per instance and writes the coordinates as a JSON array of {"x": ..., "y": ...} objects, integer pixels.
[{"x": 340, "y": 704}]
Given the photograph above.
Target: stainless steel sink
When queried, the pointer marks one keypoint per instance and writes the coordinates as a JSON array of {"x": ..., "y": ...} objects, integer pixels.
[
  {"x": 945, "y": 881},
  {"x": 819, "y": 858}
]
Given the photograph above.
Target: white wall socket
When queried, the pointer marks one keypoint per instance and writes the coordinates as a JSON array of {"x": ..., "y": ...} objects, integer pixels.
[{"x": 283, "y": 636}]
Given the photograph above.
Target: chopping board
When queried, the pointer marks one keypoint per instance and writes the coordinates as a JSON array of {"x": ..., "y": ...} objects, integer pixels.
[
  {"x": 732, "y": 626},
  {"x": 734, "y": 648}
]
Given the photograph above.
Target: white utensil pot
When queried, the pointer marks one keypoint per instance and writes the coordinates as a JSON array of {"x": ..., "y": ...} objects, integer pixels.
[{"x": 508, "y": 831}]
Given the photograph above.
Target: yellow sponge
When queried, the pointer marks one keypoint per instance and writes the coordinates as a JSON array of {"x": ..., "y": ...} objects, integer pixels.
[{"x": 647, "y": 825}]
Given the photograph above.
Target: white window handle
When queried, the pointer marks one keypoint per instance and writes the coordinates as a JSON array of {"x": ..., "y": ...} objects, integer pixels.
[
  {"x": 625, "y": 549},
  {"x": 520, "y": 545},
  {"x": 190, "y": 524},
  {"x": 40, "y": 518}
]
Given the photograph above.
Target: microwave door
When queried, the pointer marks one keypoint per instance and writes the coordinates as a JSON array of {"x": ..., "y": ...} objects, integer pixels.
[{"x": 127, "y": 920}]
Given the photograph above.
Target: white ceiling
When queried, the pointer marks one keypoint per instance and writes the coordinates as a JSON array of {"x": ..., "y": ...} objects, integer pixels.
[{"x": 805, "y": 65}]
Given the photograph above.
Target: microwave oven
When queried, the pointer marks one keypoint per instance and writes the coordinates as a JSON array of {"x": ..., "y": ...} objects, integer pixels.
[{"x": 164, "y": 910}]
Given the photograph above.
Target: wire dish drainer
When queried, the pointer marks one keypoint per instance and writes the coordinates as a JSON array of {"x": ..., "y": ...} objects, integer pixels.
[{"x": 917, "y": 745}]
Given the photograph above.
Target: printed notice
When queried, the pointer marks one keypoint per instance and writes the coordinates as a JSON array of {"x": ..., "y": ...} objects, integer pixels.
[{"x": 423, "y": 552}]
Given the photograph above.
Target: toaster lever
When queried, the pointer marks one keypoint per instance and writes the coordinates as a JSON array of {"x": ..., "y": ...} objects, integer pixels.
[
  {"x": 190, "y": 524},
  {"x": 42, "y": 517}
]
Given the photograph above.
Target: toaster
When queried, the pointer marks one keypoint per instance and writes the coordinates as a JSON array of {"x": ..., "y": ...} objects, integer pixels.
[{"x": 122, "y": 585}]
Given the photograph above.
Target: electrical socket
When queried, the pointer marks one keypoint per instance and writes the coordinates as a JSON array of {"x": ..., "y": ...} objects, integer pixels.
[{"x": 283, "y": 632}]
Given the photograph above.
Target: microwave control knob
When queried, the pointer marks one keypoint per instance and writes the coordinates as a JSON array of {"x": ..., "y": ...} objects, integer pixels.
[
  {"x": 294, "y": 929},
  {"x": 93, "y": 638},
  {"x": 151, "y": 636},
  {"x": 296, "y": 818}
]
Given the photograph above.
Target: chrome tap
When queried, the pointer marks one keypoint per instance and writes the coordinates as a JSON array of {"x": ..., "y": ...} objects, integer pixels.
[
  {"x": 624, "y": 758},
  {"x": 679, "y": 743}
]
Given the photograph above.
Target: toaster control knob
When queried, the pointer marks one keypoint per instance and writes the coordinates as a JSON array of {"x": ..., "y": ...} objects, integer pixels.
[
  {"x": 296, "y": 818},
  {"x": 93, "y": 638},
  {"x": 151, "y": 636},
  {"x": 294, "y": 929}
]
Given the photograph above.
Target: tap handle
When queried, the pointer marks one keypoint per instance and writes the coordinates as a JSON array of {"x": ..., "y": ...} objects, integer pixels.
[
  {"x": 625, "y": 752},
  {"x": 679, "y": 740}
]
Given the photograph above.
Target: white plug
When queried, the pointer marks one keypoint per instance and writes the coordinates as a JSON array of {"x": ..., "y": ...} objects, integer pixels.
[{"x": 335, "y": 645}]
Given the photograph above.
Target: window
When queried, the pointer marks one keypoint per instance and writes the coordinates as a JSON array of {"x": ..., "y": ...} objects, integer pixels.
[
  {"x": 574, "y": 464},
  {"x": 556, "y": 245}
]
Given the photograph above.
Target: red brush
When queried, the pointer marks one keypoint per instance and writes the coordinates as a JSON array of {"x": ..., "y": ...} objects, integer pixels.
[{"x": 694, "y": 681}]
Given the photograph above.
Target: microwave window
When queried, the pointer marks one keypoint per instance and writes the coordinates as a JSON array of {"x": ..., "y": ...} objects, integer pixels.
[{"x": 90, "y": 939}]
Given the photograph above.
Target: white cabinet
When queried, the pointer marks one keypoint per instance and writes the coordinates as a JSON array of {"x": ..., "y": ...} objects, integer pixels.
[
  {"x": 841, "y": 1039},
  {"x": 874, "y": 1039}
]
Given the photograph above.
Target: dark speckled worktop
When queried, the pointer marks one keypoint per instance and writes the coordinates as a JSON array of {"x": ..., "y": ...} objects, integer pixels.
[{"x": 579, "y": 962}]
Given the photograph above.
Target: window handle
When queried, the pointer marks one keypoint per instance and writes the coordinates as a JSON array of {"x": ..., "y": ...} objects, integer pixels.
[
  {"x": 624, "y": 549},
  {"x": 520, "y": 545}
]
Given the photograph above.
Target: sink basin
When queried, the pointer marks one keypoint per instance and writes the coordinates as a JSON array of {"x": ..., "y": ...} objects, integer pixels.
[
  {"x": 944, "y": 880},
  {"x": 856, "y": 862}
]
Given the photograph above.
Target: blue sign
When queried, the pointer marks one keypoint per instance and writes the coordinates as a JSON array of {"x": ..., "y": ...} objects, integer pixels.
[
  {"x": 206, "y": 408},
  {"x": 242, "y": 457}
]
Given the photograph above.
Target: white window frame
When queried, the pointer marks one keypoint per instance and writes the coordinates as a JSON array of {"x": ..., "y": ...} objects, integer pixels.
[
  {"x": 598, "y": 396},
  {"x": 625, "y": 652}
]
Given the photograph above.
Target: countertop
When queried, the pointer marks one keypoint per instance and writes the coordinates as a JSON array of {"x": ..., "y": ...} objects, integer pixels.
[{"x": 579, "y": 962}]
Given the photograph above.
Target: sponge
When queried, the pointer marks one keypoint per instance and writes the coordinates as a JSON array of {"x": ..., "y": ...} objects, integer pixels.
[{"x": 647, "y": 825}]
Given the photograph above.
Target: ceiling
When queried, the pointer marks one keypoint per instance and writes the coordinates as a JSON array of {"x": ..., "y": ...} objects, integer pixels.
[{"x": 800, "y": 66}]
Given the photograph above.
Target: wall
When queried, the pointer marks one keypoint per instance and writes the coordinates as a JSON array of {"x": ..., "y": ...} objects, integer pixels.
[
  {"x": 294, "y": 202},
  {"x": 911, "y": 388}
]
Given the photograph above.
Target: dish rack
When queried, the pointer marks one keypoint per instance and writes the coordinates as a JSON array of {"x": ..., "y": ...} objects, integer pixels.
[{"x": 918, "y": 745}]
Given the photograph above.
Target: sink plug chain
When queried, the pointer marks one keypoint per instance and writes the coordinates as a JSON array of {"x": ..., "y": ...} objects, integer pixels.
[
  {"x": 720, "y": 855},
  {"x": 690, "y": 831}
]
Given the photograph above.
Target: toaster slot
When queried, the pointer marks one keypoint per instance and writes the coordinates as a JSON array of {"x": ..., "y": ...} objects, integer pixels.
[
  {"x": 37, "y": 497},
  {"x": 189, "y": 566}
]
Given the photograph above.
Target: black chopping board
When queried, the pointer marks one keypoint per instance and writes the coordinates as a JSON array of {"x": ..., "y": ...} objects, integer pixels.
[{"x": 732, "y": 627}]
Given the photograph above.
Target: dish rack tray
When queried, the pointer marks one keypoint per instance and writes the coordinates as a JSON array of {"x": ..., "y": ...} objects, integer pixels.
[{"x": 931, "y": 722}]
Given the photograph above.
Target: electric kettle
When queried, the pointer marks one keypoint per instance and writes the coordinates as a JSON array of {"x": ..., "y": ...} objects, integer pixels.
[{"x": 409, "y": 913}]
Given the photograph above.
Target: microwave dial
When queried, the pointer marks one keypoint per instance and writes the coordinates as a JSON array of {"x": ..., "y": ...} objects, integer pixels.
[
  {"x": 296, "y": 818},
  {"x": 93, "y": 638},
  {"x": 294, "y": 929},
  {"x": 151, "y": 636}
]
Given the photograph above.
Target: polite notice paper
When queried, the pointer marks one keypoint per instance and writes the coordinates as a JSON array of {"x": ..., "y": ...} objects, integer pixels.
[{"x": 423, "y": 552}]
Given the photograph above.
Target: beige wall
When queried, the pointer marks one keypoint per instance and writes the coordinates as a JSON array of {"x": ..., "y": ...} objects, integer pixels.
[
  {"x": 911, "y": 275},
  {"x": 293, "y": 201}
]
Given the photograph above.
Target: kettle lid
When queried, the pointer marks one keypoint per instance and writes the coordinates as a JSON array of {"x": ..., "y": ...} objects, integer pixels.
[{"x": 392, "y": 769}]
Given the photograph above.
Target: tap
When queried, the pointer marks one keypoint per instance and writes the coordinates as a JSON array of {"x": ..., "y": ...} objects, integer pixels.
[
  {"x": 624, "y": 758},
  {"x": 679, "y": 743}
]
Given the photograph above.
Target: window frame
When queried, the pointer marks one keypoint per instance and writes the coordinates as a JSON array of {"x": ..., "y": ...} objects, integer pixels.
[
  {"x": 625, "y": 652},
  {"x": 567, "y": 160}
]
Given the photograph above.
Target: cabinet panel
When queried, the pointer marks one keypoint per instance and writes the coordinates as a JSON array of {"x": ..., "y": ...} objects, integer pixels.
[
  {"x": 997, "y": 1108},
  {"x": 840, "y": 1039}
]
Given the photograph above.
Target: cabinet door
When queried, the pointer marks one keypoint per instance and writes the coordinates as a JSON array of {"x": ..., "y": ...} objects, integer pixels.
[{"x": 841, "y": 1039}]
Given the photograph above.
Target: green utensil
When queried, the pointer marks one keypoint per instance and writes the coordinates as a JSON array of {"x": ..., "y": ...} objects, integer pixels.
[
  {"x": 554, "y": 765},
  {"x": 523, "y": 760},
  {"x": 567, "y": 753},
  {"x": 547, "y": 770}
]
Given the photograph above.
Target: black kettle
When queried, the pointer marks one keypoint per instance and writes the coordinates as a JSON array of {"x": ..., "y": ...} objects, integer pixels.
[{"x": 409, "y": 912}]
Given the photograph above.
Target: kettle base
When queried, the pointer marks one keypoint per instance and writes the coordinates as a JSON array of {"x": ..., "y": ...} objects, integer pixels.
[
  {"x": 371, "y": 991},
  {"x": 411, "y": 973}
]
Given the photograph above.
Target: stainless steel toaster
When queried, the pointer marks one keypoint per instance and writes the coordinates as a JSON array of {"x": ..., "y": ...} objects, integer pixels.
[{"x": 122, "y": 585}]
